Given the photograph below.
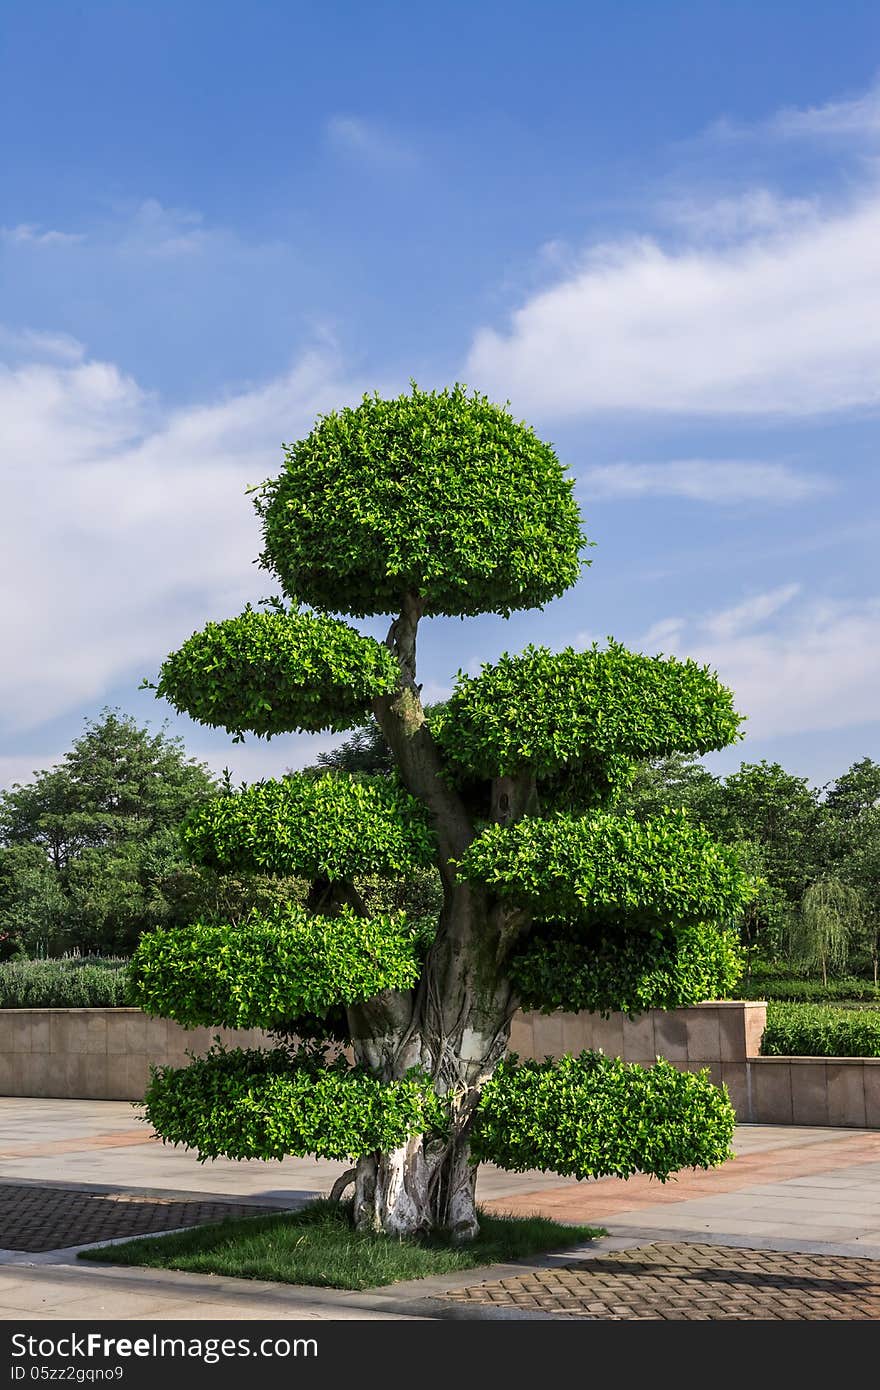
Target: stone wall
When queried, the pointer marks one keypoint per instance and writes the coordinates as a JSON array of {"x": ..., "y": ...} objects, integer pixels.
[
  {"x": 96, "y": 1054},
  {"x": 105, "y": 1054}
]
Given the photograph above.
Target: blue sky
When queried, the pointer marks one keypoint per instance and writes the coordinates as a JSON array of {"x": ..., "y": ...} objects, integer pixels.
[{"x": 655, "y": 229}]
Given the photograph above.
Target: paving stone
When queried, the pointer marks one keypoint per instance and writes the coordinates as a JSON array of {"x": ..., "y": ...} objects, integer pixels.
[
  {"x": 675, "y": 1282},
  {"x": 34, "y": 1218}
]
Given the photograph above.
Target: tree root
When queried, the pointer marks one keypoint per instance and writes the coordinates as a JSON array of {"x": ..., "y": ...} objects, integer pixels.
[{"x": 341, "y": 1184}]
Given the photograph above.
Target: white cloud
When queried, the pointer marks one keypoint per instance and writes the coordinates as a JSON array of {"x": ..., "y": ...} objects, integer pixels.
[
  {"x": 147, "y": 229},
  {"x": 858, "y": 116},
  {"x": 126, "y": 526},
  {"x": 755, "y": 210},
  {"x": 783, "y": 325},
  {"x": 815, "y": 668},
  {"x": 22, "y": 767},
  {"x": 368, "y": 141},
  {"x": 30, "y": 234},
  {"x": 155, "y": 230},
  {"x": 723, "y": 481},
  {"x": 729, "y": 622}
]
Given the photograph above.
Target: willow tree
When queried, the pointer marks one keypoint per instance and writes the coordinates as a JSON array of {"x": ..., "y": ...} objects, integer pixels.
[{"x": 391, "y": 1042}]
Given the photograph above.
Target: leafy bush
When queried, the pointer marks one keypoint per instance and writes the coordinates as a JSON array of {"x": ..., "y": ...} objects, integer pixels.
[
  {"x": 629, "y": 971},
  {"x": 265, "y": 972},
  {"x": 543, "y": 709},
  {"x": 595, "y": 1116},
  {"x": 272, "y": 673},
  {"x": 607, "y": 868},
  {"x": 249, "y": 1103},
  {"x": 318, "y": 827},
  {"x": 813, "y": 1030},
  {"x": 78, "y": 982},
  {"x": 437, "y": 493}
]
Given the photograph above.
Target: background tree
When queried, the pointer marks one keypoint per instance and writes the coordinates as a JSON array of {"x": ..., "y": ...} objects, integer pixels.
[
  {"x": 440, "y": 504},
  {"x": 823, "y": 928},
  {"x": 89, "y": 843},
  {"x": 764, "y": 803},
  {"x": 33, "y": 905},
  {"x": 851, "y": 850}
]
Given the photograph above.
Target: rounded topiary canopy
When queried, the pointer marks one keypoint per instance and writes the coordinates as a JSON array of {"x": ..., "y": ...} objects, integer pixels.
[
  {"x": 250, "y": 1103},
  {"x": 564, "y": 966},
  {"x": 594, "y": 1116},
  {"x": 604, "y": 868},
  {"x": 441, "y": 494},
  {"x": 275, "y": 673},
  {"x": 268, "y": 971},
  {"x": 337, "y": 828},
  {"x": 546, "y": 709}
]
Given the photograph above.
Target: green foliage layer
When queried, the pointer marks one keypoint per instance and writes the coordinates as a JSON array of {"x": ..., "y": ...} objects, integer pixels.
[
  {"x": 436, "y": 493},
  {"x": 546, "y": 709},
  {"x": 266, "y": 972},
  {"x": 810, "y": 1030},
  {"x": 257, "y": 1104},
  {"x": 630, "y": 971},
  {"x": 326, "y": 827},
  {"x": 79, "y": 982},
  {"x": 605, "y": 868},
  {"x": 594, "y": 1116},
  {"x": 274, "y": 673}
]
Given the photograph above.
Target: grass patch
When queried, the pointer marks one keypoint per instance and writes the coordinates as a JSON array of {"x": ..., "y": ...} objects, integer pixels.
[{"x": 316, "y": 1245}]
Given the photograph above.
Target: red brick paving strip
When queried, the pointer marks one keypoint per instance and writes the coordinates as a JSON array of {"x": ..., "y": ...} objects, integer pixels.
[
  {"x": 36, "y": 1218},
  {"x": 593, "y": 1200},
  {"x": 696, "y": 1282},
  {"x": 123, "y": 1139}
]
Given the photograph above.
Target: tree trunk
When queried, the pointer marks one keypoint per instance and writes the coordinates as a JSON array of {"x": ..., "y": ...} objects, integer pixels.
[
  {"x": 455, "y": 1027},
  {"x": 416, "y": 1189},
  {"x": 456, "y": 1023}
]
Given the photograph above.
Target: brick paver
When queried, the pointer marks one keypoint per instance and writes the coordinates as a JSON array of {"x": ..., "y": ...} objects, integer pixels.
[
  {"x": 695, "y": 1282},
  {"x": 36, "y": 1218}
]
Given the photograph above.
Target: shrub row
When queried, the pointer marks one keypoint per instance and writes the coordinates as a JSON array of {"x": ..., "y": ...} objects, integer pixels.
[
  {"x": 814, "y": 1030},
  {"x": 77, "y": 982},
  {"x": 790, "y": 990}
]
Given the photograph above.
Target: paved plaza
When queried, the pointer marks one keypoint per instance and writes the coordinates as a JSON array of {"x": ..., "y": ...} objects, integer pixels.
[{"x": 716, "y": 1244}]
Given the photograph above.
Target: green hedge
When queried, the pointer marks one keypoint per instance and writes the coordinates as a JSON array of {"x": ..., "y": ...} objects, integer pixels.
[
  {"x": 595, "y": 1116},
  {"x": 788, "y": 990},
  {"x": 276, "y": 673},
  {"x": 546, "y": 709},
  {"x": 249, "y": 1103},
  {"x": 77, "y": 982},
  {"x": 814, "y": 1030}
]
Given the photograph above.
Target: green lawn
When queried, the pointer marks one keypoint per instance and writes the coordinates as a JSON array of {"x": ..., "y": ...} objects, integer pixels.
[{"x": 316, "y": 1245}]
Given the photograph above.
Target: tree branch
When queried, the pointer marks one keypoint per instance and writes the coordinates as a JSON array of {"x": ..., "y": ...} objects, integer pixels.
[{"x": 402, "y": 721}]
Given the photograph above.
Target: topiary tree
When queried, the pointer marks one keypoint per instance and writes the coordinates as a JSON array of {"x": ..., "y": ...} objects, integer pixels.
[{"x": 440, "y": 504}]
